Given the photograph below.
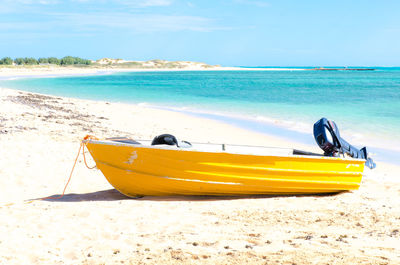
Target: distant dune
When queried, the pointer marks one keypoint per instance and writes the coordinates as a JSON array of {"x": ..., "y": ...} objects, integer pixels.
[{"x": 152, "y": 64}]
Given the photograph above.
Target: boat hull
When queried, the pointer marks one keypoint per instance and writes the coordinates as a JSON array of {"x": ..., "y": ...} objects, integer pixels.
[{"x": 136, "y": 170}]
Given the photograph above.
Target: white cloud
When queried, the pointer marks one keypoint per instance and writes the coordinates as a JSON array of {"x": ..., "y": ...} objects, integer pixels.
[
  {"x": 20, "y": 6},
  {"x": 130, "y": 3},
  {"x": 94, "y": 23},
  {"x": 154, "y": 3},
  {"x": 47, "y": 2},
  {"x": 134, "y": 22},
  {"x": 130, "y": 19},
  {"x": 258, "y": 3},
  {"x": 29, "y": 2}
]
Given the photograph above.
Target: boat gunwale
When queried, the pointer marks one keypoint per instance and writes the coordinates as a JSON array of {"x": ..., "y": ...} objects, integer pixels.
[{"x": 170, "y": 148}]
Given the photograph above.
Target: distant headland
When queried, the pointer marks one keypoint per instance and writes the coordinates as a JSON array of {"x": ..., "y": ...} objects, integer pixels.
[{"x": 70, "y": 61}]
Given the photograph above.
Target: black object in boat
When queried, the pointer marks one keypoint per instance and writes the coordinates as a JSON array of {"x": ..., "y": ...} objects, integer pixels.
[
  {"x": 327, "y": 136},
  {"x": 169, "y": 139}
]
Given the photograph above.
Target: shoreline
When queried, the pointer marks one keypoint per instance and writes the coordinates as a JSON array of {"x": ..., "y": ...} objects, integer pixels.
[
  {"x": 31, "y": 72},
  {"x": 165, "y": 111}
]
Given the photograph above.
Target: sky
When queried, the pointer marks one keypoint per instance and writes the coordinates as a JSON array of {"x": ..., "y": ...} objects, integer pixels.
[{"x": 224, "y": 32}]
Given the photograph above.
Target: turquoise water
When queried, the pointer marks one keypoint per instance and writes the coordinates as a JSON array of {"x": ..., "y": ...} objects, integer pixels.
[{"x": 364, "y": 104}]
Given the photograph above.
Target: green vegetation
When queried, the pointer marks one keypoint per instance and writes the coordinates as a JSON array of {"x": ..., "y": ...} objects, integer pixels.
[
  {"x": 43, "y": 60},
  {"x": 31, "y": 61},
  {"x": 26, "y": 61},
  {"x": 19, "y": 61},
  {"x": 54, "y": 60},
  {"x": 67, "y": 60},
  {"x": 6, "y": 61}
]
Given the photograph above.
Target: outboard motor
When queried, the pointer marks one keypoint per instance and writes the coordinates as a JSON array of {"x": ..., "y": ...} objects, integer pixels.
[{"x": 327, "y": 136}]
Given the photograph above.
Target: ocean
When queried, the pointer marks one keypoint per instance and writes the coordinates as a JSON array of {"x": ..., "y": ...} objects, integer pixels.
[{"x": 364, "y": 104}]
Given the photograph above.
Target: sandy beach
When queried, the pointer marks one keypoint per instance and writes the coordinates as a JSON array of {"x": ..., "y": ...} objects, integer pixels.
[
  {"x": 94, "y": 224},
  {"x": 50, "y": 71}
]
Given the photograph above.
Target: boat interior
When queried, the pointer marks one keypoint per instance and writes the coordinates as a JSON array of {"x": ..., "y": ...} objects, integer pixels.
[{"x": 209, "y": 147}]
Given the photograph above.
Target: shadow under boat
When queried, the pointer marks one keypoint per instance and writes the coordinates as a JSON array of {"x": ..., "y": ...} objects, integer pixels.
[{"x": 114, "y": 195}]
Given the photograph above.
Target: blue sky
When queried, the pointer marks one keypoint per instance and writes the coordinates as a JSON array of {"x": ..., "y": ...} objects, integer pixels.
[{"x": 226, "y": 32}]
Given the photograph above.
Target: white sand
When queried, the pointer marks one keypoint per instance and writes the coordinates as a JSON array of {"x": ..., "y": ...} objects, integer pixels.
[
  {"x": 94, "y": 224},
  {"x": 20, "y": 71}
]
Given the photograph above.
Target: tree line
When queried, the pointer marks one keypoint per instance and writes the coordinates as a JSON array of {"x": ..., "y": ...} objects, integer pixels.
[{"x": 67, "y": 60}]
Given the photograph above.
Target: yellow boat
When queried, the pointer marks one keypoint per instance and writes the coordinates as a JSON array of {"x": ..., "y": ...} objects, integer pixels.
[{"x": 139, "y": 168}]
